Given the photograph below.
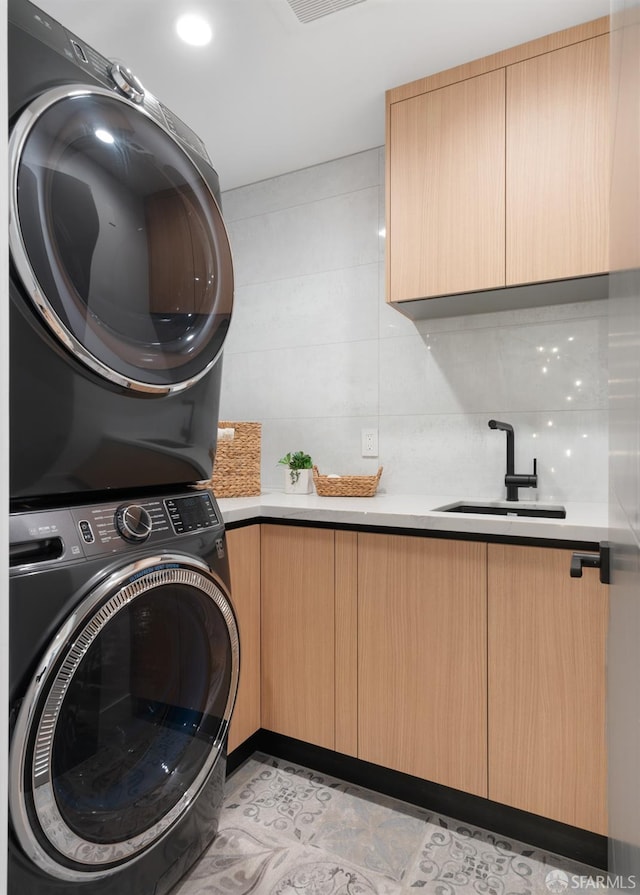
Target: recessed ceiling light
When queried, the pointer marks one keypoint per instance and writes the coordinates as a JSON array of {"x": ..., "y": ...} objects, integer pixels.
[{"x": 194, "y": 30}]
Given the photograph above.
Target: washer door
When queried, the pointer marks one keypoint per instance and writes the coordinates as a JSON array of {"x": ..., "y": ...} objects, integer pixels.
[
  {"x": 118, "y": 240},
  {"x": 125, "y": 718}
]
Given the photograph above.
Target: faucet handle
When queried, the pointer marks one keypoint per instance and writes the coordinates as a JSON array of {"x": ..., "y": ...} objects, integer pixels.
[{"x": 524, "y": 481}]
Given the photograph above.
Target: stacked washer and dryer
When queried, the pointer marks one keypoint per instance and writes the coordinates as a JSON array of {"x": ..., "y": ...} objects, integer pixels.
[{"x": 123, "y": 643}]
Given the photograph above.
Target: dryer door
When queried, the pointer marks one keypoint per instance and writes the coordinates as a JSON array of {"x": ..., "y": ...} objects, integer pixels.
[
  {"x": 118, "y": 239},
  {"x": 125, "y": 718}
]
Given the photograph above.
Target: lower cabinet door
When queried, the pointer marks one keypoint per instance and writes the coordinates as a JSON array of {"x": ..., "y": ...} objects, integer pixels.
[
  {"x": 298, "y": 633},
  {"x": 243, "y": 545},
  {"x": 422, "y": 658},
  {"x": 547, "y": 640}
]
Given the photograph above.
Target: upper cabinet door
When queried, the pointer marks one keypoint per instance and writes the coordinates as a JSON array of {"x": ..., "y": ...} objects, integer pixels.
[
  {"x": 557, "y": 164},
  {"x": 446, "y": 190}
]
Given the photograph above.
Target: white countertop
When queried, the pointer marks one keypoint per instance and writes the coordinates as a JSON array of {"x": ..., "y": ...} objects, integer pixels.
[{"x": 583, "y": 522}]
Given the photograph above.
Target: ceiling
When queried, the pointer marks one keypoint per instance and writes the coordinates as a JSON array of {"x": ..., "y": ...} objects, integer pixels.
[{"x": 271, "y": 95}]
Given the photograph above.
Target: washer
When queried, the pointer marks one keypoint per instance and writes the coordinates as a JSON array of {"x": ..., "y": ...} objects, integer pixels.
[
  {"x": 121, "y": 278},
  {"x": 124, "y": 663}
]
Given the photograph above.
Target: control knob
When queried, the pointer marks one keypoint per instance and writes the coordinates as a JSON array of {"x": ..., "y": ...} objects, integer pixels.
[
  {"x": 127, "y": 83},
  {"x": 133, "y": 522}
]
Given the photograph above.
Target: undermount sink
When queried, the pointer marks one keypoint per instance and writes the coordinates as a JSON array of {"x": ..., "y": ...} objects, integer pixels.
[{"x": 504, "y": 508}]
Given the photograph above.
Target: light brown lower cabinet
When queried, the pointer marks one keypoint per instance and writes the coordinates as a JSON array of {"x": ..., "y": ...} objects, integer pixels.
[
  {"x": 477, "y": 666},
  {"x": 547, "y": 640},
  {"x": 422, "y": 658},
  {"x": 298, "y": 633},
  {"x": 243, "y": 545}
]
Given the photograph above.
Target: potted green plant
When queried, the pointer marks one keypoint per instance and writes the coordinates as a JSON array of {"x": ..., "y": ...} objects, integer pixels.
[{"x": 298, "y": 476}]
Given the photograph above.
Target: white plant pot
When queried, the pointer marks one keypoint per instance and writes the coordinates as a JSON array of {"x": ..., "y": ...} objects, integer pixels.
[{"x": 304, "y": 483}]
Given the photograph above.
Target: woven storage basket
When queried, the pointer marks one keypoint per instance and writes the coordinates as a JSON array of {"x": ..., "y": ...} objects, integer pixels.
[
  {"x": 236, "y": 469},
  {"x": 346, "y": 485}
]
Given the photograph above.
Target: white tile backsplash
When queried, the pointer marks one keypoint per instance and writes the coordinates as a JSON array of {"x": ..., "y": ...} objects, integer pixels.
[
  {"x": 458, "y": 454},
  {"x": 325, "y": 235},
  {"x": 343, "y": 175},
  {"x": 559, "y": 366},
  {"x": 317, "y": 309},
  {"x": 312, "y": 381},
  {"x": 435, "y": 454},
  {"x": 315, "y": 354},
  {"x": 333, "y": 442}
]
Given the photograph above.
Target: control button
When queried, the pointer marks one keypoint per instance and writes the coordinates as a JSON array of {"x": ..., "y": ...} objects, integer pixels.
[
  {"x": 86, "y": 532},
  {"x": 133, "y": 522},
  {"x": 127, "y": 83}
]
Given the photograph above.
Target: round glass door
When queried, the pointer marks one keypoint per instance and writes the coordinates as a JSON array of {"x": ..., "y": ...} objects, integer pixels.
[
  {"x": 118, "y": 735},
  {"x": 118, "y": 240}
]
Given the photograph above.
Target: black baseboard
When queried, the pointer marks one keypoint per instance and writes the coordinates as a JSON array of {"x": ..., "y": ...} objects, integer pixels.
[
  {"x": 561, "y": 839},
  {"x": 244, "y": 751}
]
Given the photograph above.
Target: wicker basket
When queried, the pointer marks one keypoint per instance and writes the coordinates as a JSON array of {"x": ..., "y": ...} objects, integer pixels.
[
  {"x": 346, "y": 485},
  {"x": 236, "y": 469}
]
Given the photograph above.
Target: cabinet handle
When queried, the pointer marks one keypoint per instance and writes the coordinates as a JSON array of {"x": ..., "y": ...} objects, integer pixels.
[{"x": 599, "y": 560}]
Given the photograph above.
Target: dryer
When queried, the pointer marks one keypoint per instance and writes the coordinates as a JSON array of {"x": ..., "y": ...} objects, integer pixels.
[
  {"x": 123, "y": 673},
  {"x": 121, "y": 277}
]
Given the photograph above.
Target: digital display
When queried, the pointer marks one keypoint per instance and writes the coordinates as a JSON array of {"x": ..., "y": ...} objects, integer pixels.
[{"x": 191, "y": 513}]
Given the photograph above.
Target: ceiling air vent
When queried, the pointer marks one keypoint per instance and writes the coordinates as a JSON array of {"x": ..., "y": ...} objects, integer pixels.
[{"x": 310, "y": 10}]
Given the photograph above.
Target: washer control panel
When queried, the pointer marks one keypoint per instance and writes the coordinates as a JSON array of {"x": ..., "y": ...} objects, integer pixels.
[
  {"x": 63, "y": 535},
  {"x": 112, "y": 525},
  {"x": 146, "y": 520},
  {"x": 111, "y": 74}
]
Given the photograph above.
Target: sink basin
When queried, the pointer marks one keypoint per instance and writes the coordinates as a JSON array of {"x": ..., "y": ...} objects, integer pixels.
[{"x": 504, "y": 508}]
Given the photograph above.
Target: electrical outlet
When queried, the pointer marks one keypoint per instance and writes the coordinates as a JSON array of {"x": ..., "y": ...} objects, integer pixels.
[{"x": 369, "y": 442}]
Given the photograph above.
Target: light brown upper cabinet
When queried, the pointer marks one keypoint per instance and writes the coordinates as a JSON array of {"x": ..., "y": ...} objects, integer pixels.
[
  {"x": 422, "y": 659},
  {"x": 497, "y": 171},
  {"x": 446, "y": 222},
  {"x": 547, "y": 684},
  {"x": 557, "y": 164}
]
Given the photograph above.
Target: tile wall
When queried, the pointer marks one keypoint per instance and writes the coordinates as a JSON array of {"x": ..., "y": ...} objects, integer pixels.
[{"x": 315, "y": 355}]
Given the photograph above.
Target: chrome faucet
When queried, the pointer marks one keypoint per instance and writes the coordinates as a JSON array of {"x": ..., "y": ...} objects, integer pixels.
[{"x": 512, "y": 480}]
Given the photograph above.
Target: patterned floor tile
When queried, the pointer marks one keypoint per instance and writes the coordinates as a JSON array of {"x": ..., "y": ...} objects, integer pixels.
[
  {"x": 371, "y": 831},
  {"x": 314, "y": 872},
  {"x": 286, "y": 830},
  {"x": 238, "y": 863},
  {"x": 244, "y": 772},
  {"x": 279, "y": 797},
  {"x": 457, "y": 859}
]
